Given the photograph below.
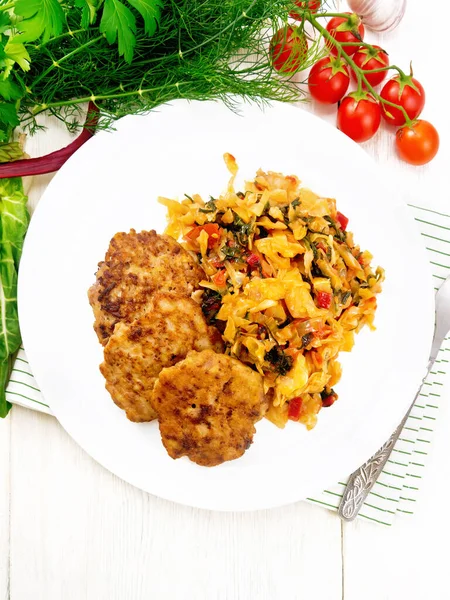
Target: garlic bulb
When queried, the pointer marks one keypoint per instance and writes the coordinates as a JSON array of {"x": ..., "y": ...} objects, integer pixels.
[{"x": 379, "y": 15}]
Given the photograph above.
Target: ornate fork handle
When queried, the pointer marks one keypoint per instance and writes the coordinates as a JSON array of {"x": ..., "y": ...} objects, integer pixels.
[{"x": 364, "y": 478}]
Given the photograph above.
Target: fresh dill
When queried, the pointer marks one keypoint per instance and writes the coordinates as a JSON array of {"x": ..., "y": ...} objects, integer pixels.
[{"x": 61, "y": 55}]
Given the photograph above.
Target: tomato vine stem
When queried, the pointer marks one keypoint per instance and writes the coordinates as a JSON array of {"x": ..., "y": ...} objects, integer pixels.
[{"x": 360, "y": 73}]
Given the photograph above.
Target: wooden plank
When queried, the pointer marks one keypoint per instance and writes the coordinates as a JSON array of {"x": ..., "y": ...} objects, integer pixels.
[
  {"x": 406, "y": 561},
  {"x": 79, "y": 533},
  {"x": 36, "y": 146},
  {"x": 5, "y": 428},
  {"x": 54, "y": 137}
]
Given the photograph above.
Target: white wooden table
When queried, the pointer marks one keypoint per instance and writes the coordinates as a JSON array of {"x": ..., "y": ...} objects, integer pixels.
[{"x": 69, "y": 530}]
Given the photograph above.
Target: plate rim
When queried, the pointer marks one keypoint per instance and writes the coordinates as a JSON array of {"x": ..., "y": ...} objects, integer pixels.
[{"x": 104, "y": 462}]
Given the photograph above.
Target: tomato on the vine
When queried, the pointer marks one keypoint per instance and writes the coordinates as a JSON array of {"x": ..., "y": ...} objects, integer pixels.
[
  {"x": 345, "y": 30},
  {"x": 405, "y": 91},
  {"x": 369, "y": 58},
  {"x": 359, "y": 116},
  {"x": 312, "y": 5},
  {"x": 417, "y": 144},
  {"x": 288, "y": 49},
  {"x": 328, "y": 80}
]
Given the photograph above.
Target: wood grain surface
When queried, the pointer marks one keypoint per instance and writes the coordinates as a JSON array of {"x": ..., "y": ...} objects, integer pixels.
[{"x": 69, "y": 530}]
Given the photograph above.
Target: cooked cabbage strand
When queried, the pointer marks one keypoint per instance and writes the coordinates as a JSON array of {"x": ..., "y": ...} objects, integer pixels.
[{"x": 285, "y": 284}]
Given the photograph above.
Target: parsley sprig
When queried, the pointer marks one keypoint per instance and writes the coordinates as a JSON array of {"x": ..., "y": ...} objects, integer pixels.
[{"x": 45, "y": 19}]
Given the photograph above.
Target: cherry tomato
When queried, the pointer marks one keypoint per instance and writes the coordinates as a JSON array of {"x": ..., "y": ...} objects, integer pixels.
[
  {"x": 359, "y": 117},
  {"x": 345, "y": 30},
  {"x": 212, "y": 229},
  {"x": 295, "y": 407},
  {"x": 312, "y": 5},
  {"x": 288, "y": 49},
  {"x": 369, "y": 58},
  {"x": 328, "y": 80},
  {"x": 342, "y": 220},
  {"x": 418, "y": 144},
  {"x": 405, "y": 91}
]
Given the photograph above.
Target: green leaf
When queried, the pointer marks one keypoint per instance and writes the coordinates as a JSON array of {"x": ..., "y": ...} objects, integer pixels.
[
  {"x": 14, "y": 219},
  {"x": 89, "y": 11},
  {"x": 40, "y": 18},
  {"x": 119, "y": 22},
  {"x": 17, "y": 53},
  {"x": 9, "y": 90},
  {"x": 5, "y": 22},
  {"x": 150, "y": 10},
  {"x": 10, "y": 151},
  {"x": 5, "y": 371},
  {"x": 8, "y": 114}
]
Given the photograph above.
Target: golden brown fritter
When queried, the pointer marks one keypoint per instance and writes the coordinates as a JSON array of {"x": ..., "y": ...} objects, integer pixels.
[
  {"x": 135, "y": 267},
  {"x": 136, "y": 352},
  {"x": 207, "y": 406}
]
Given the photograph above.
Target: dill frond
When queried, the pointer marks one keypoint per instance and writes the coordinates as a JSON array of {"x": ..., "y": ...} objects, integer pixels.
[{"x": 202, "y": 49}]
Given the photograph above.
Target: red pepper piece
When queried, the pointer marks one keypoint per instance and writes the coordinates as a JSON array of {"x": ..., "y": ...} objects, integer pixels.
[
  {"x": 220, "y": 278},
  {"x": 324, "y": 299},
  {"x": 216, "y": 262},
  {"x": 212, "y": 229},
  {"x": 295, "y": 407},
  {"x": 253, "y": 260},
  {"x": 342, "y": 220},
  {"x": 329, "y": 400}
]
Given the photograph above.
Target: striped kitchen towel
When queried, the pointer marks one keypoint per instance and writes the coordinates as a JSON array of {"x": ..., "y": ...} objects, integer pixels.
[{"x": 397, "y": 488}]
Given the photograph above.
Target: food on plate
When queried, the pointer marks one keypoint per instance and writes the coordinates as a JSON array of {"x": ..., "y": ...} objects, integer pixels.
[
  {"x": 284, "y": 282},
  {"x": 245, "y": 319},
  {"x": 136, "y": 266},
  {"x": 138, "y": 350},
  {"x": 207, "y": 407}
]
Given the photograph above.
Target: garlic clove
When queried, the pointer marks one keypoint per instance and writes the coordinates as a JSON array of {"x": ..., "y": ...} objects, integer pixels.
[{"x": 379, "y": 15}]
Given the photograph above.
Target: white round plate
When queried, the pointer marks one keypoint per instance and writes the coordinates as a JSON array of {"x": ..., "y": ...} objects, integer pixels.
[{"x": 110, "y": 185}]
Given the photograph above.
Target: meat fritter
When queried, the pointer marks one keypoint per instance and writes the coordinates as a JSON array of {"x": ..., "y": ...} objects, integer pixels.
[
  {"x": 136, "y": 352},
  {"x": 207, "y": 406},
  {"x": 135, "y": 267}
]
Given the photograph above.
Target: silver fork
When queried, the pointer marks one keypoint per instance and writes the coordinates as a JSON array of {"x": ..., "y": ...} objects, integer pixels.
[{"x": 364, "y": 478}]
